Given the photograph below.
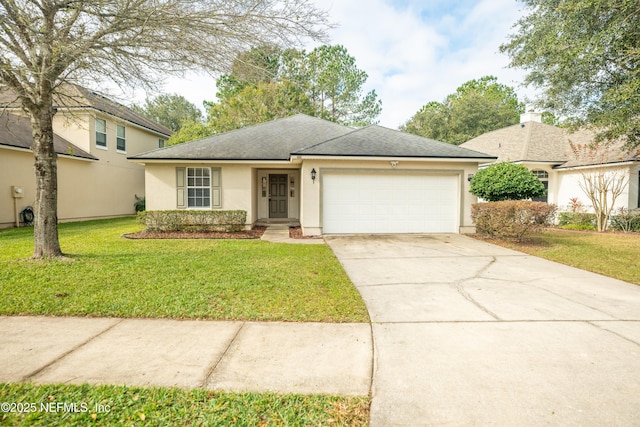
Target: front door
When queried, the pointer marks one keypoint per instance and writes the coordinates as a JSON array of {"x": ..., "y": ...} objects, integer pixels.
[{"x": 278, "y": 198}]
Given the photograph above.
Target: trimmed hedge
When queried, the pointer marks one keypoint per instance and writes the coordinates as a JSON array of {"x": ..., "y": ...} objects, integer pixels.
[
  {"x": 512, "y": 218},
  {"x": 577, "y": 220},
  {"x": 193, "y": 221}
]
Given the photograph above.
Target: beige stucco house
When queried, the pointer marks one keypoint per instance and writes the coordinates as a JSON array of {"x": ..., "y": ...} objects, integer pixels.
[
  {"x": 93, "y": 137},
  {"x": 328, "y": 177},
  {"x": 546, "y": 150}
]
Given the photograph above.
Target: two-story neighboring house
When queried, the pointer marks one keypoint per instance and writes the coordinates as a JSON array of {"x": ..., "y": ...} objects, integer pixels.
[{"x": 93, "y": 137}]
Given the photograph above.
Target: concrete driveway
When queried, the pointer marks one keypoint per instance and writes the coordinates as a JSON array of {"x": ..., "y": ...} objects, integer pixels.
[{"x": 467, "y": 333}]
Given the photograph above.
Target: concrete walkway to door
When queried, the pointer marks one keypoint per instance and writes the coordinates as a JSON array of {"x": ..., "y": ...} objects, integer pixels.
[{"x": 468, "y": 333}]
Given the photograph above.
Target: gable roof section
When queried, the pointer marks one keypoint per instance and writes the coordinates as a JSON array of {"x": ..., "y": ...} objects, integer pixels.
[
  {"x": 378, "y": 141},
  {"x": 15, "y": 131},
  {"x": 274, "y": 140},
  {"x": 77, "y": 97},
  {"x": 529, "y": 141},
  {"x": 537, "y": 142}
]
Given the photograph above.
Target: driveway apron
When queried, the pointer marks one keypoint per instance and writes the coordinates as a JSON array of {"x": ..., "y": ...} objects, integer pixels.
[{"x": 468, "y": 333}]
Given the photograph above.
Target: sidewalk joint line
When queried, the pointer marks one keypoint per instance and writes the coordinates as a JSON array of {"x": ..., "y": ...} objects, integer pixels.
[
  {"x": 215, "y": 365},
  {"x": 72, "y": 350}
]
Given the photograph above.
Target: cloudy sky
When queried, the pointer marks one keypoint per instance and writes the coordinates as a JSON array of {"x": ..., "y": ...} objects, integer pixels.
[{"x": 414, "y": 51}]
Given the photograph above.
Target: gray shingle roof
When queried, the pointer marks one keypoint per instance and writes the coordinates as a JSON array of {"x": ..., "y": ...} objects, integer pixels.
[
  {"x": 305, "y": 135},
  {"x": 529, "y": 141},
  {"x": 274, "y": 140},
  {"x": 77, "y": 97},
  {"x": 538, "y": 142},
  {"x": 15, "y": 131},
  {"x": 378, "y": 141}
]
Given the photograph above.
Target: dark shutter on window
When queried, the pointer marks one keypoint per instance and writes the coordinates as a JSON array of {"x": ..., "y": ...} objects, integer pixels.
[{"x": 181, "y": 192}]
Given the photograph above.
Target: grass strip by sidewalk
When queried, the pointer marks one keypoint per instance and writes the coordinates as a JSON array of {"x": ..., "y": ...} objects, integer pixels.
[
  {"x": 109, "y": 275},
  {"x": 610, "y": 254},
  {"x": 80, "y": 405}
]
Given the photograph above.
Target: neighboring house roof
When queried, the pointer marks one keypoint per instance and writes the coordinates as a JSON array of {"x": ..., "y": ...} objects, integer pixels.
[
  {"x": 77, "y": 97},
  {"x": 306, "y": 135},
  {"x": 533, "y": 141},
  {"x": 15, "y": 131},
  {"x": 378, "y": 141},
  {"x": 529, "y": 141}
]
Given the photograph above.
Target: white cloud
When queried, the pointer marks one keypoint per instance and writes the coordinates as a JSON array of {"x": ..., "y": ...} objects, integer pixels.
[{"x": 413, "y": 52}]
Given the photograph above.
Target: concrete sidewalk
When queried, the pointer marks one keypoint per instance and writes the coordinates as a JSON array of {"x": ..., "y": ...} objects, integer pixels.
[{"x": 233, "y": 356}]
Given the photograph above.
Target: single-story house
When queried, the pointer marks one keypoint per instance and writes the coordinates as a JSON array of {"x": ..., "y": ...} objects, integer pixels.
[
  {"x": 546, "y": 150},
  {"x": 328, "y": 177},
  {"x": 93, "y": 136}
]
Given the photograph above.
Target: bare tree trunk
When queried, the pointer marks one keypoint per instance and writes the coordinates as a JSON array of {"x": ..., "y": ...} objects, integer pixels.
[{"x": 45, "y": 231}]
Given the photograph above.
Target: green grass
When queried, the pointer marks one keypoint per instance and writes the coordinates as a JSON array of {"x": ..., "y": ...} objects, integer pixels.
[
  {"x": 610, "y": 254},
  {"x": 132, "y": 406},
  {"x": 205, "y": 279}
]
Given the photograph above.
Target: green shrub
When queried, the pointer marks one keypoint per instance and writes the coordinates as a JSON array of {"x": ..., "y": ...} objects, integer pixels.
[
  {"x": 626, "y": 220},
  {"x": 512, "y": 218},
  {"x": 577, "y": 220},
  {"x": 141, "y": 204},
  {"x": 193, "y": 221},
  {"x": 506, "y": 181}
]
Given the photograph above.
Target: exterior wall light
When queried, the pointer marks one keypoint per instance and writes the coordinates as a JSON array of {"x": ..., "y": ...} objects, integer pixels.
[
  {"x": 313, "y": 174},
  {"x": 469, "y": 177}
]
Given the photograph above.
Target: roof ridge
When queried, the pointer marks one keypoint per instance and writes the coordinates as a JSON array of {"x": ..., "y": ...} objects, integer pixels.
[
  {"x": 527, "y": 138},
  {"x": 331, "y": 139}
]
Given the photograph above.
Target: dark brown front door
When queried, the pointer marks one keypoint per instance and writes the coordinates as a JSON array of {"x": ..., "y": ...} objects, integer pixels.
[{"x": 278, "y": 199}]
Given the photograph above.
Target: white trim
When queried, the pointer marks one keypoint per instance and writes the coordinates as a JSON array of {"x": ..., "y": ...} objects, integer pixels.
[
  {"x": 296, "y": 160},
  {"x": 599, "y": 165},
  {"x": 278, "y": 163},
  {"x": 96, "y": 132},
  {"x": 187, "y": 187},
  {"x": 397, "y": 158},
  {"x": 124, "y": 128}
]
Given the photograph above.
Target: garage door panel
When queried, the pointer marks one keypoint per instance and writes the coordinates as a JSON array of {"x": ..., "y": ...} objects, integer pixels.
[{"x": 390, "y": 203}]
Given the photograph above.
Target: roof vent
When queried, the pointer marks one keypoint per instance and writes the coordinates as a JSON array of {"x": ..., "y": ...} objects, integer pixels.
[{"x": 531, "y": 116}]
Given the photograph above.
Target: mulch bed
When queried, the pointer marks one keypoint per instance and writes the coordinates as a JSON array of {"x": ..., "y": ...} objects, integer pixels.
[{"x": 254, "y": 233}]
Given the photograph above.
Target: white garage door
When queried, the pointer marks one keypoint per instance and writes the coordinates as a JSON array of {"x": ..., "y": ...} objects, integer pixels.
[{"x": 389, "y": 203}]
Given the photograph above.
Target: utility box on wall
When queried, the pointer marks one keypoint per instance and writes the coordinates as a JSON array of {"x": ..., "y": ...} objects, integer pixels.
[{"x": 17, "y": 192}]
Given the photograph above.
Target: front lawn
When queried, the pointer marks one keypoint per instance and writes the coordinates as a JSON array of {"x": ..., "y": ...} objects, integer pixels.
[
  {"x": 82, "y": 405},
  {"x": 205, "y": 279},
  {"x": 611, "y": 254}
]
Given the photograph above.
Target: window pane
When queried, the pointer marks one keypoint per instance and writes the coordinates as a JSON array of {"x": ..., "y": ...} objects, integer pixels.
[
  {"x": 101, "y": 125},
  {"x": 101, "y": 139},
  {"x": 198, "y": 188}
]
